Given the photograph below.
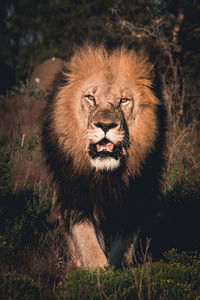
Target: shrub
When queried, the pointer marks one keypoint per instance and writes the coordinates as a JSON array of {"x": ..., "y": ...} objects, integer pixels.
[
  {"x": 174, "y": 281},
  {"x": 18, "y": 287},
  {"x": 176, "y": 278},
  {"x": 98, "y": 284},
  {"x": 28, "y": 89},
  {"x": 23, "y": 221},
  {"x": 4, "y": 170},
  {"x": 20, "y": 213},
  {"x": 6, "y": 249},
  {"x": 186, "y": 259}
]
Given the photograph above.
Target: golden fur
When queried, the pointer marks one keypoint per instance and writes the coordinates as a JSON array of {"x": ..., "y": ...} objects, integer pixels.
[{"x": 74, "y": 121}]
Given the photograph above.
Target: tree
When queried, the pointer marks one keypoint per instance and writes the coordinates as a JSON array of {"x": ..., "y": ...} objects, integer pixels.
[
  {"x": 168, "y": 29},
  {"x": 39, "y": 30}
]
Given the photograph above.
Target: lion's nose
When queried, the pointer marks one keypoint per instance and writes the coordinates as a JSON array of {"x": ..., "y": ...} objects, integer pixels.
[{"x": 106, "y": 126}]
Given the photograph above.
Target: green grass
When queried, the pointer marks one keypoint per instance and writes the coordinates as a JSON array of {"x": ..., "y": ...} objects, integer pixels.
[
  {"x": 172, "y": 279},
  {"x": 18, "y": 287}
]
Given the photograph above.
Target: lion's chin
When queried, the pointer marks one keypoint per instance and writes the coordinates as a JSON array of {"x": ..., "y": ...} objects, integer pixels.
[{"x": 105, "y": 163}]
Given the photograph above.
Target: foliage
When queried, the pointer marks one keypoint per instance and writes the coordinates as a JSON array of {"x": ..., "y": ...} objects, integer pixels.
[
  {"x": 38, "y": 30},
  {"x": 172, "y": 281},
  {"x": 183, "y": 258},
  {"x": 87, "y": 284},
  {"x": 6, "y": 249},
  {"x": 4, "y": 170},
  {"x": 20, "y": 213},
  {"x": 25, "y": 88},
  {"x": 16, "y": 286},
  {"x": 175, "y": 279},
  {"x": 32, "y": 144},
  {"x": 33, "y": 31},
  {"x": 21, "y": 217}
]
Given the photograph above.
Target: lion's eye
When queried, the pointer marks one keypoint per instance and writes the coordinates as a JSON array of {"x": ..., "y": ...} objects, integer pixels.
[
  {"x": 124, "y": 100},
  {"x": 90, "y": 98}
]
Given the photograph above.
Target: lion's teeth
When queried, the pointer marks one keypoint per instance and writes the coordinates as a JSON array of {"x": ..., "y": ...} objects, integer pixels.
[
  {"x": 111, "y": 146},
  {"x": 98, "y": 147},
  {"x": 107, "y": 147}
]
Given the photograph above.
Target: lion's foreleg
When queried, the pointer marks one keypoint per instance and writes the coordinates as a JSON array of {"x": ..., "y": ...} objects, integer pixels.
[
  {"x": 117, "y": 251},
  {"x": 87, "y": 245},
  {"x": 72, "y": 251},
  {"x": 122, "y": 249}
]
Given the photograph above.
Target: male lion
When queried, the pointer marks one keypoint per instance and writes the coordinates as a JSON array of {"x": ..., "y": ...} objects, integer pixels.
[{"x": 103, "y": 137}]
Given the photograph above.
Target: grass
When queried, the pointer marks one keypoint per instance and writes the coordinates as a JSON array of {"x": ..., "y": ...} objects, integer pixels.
[
  {"x": 34, "y": 260},
  {"x": 19, "y": 287},
  {"x": 157, "y": 280}
]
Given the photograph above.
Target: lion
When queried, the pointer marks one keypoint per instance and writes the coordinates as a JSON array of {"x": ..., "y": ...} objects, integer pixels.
[{"x": 103, "y": 138}]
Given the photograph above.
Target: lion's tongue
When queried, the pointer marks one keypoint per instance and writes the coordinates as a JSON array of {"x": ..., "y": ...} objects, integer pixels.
[{"x": 107, "y": 147}]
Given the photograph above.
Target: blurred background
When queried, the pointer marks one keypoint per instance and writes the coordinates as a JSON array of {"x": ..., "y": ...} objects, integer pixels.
[
  {"x": 36, "y": 37},
  {"x": 32, "y": 31}
]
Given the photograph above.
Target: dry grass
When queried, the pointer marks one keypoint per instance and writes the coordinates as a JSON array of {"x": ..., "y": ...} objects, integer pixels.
[
  {"x": 20, "y": 130},
  {"x": 20, "y": 126},
  {"x": 183, "y": 153},
  {"x": 29, "y": 169},
  {"x": 144, "y": 259},
  {"x": 20, "y": 114},
  {"x": 48, "y": 263}
]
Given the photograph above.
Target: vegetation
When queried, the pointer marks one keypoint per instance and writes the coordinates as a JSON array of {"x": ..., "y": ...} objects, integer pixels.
[
  {"x": 34, "y": 260},
  {"x": 33, "y": 31},
  {"x": 16, "y": 286},
  {"x": 170, "y": 278}
]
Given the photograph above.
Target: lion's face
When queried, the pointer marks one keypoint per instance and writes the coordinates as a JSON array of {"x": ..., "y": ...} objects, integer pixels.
[
  {"x": 105, "y": 115},
  {"x": 107, "y": 111}
]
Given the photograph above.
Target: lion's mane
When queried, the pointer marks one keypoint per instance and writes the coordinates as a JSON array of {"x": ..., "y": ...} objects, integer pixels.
[{"x": 117, "y": 200}]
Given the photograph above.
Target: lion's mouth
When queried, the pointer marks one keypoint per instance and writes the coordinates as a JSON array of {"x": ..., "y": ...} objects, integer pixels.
[
  {"x": 104, "y": 145},
  {"x": 105, "y": 148}
]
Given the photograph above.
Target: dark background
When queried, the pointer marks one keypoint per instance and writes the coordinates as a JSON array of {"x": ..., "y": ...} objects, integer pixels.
[{"x": 32, "y": 31}]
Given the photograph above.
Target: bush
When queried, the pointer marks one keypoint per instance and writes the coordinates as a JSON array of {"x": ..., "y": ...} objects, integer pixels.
[
  {"x": 6, "y": 250},
  {"x": 28, "y": 89},
  {"x": 176, "y": 278},
  {"x": 18, "y": 287},
  {"x": 21, "y": 213},
  {"x": 182, "y": 258},
  {"x": 174, "y": 281},
  {"x": 4, "y": 170},
  {"x": 23, "y": 218},
  {"x": 87, "y": 284}
]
